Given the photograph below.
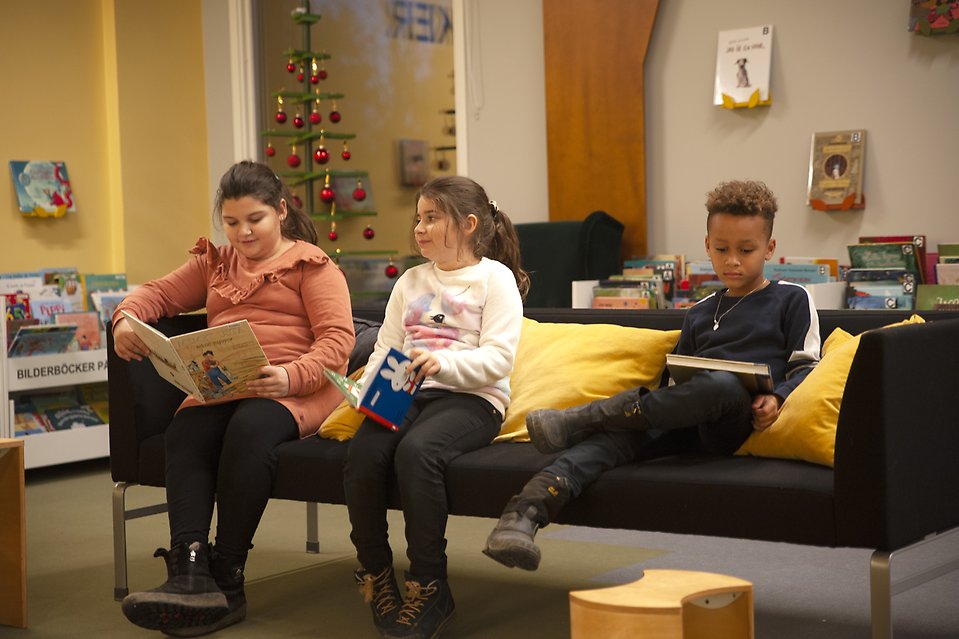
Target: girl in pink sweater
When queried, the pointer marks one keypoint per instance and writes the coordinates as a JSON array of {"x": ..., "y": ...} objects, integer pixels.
[{"x": 273, "y": 275}]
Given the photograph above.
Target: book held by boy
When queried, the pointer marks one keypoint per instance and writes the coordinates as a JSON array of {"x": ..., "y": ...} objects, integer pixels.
[
  {"x": 387, "y": 397},
  {"x": 210, "y": 364},
  {"x": 755, "y": 377}
]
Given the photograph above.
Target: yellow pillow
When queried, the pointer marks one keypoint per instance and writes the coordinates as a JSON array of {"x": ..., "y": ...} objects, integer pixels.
[
  {"x": 344, "y": 421},
  {"x": 806, "y": 426},
  {"x": 559, "y": 365}
]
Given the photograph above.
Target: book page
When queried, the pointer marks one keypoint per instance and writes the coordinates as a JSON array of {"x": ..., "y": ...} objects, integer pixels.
[
  {"x": 221, "y": 359},
  {"x": 755, "y": 377},
  {"x": 164, "y": 357}
]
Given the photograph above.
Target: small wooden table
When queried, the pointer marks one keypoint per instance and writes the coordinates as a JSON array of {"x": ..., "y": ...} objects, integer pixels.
[
  {"x": 665, "y": 604},
  {"x": 13, "y": 536}
]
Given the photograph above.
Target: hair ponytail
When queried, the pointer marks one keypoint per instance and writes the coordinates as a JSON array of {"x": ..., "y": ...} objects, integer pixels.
[
  {"x": 504, "y": 247},
  {"x": 256, "y": 180}
]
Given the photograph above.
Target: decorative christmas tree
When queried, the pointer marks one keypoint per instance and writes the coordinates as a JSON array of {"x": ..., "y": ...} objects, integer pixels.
[{"x": 330, "y": 192}]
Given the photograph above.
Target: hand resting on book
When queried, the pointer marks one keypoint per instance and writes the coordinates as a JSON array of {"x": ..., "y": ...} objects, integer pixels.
[
  {"x": 274, "y": 381},
  {"x": 126, "y": 343}
]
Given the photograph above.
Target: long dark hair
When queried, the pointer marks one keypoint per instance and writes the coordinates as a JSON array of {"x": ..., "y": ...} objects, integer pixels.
[
  {"x": 494, "y": 237},
  {"x": 258, "y": 181}
]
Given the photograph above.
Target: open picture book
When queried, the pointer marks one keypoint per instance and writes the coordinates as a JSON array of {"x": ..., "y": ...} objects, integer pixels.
[
  {"x": 755, "y": 377},
  {"x": 387, "y": 397},
  {"x": 210, "y": 364}
]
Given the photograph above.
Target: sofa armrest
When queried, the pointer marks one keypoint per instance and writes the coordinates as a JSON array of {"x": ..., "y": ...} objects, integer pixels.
[{"x": 897, "y": 444}]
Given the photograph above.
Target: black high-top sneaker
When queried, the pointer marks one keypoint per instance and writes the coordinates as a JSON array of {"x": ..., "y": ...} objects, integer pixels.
[
  {"x": 383, "y": 595},
  {"x": 228, "y": 574},
  {"x": 188, "y": 598},
  {"x": 553, "y": 430},
  {"x": 427, "y": 610},
  {"x": 512, "y": 542}
]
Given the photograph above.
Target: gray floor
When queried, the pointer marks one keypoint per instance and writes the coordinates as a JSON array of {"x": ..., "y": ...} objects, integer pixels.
[{"x": 800, "y": 592}]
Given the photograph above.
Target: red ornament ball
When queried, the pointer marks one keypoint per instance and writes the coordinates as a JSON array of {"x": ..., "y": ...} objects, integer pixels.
[
  {"x": 315, "y": 118},
  {"x": 321, "y": 155},
  {"x": 359, "y": 194},
  {"x": 280, "y": 117},
  {"x": 323, "y": 74},
  {"x": 327, "y": 194},
  {"x": 368, "y": 232},
  {"x": 300, "y": 76},
  {"x": 298, "y": 121},
  {"x": 333, "y": 235},
  {"x": 290, "y": 67},
  {"x": 392, "y": 271},
  {"x": 293, "y": 160},
  {"x": 270, "y": 151},
  {"x": 314, "y": 79},
  {"x": 347, "y": 155},
  {"x": 335, "y": 116}
]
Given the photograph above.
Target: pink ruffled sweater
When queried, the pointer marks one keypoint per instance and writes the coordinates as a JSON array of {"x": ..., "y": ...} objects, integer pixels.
[{"x": 297, "y": 304}]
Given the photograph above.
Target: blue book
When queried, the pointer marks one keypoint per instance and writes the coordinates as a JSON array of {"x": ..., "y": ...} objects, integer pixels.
[
  {"x": 797, "y": 273},
  {"x": 387, "y": 397}
]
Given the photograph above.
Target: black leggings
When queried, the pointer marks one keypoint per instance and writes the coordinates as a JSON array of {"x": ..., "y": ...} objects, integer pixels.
[{"x": 224, "y": 453}]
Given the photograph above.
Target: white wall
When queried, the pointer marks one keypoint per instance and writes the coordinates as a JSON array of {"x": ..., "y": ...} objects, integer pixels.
[
  {"x": 501, "y": 102},
  {"x": 836, "y": 66}
]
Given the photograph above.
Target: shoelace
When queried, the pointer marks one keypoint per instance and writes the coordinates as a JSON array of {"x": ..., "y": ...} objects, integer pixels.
[
  {"x": 378, "y": 592},
  {"x": 632, "y": 409},
  {"x": 416, "y": 597}
]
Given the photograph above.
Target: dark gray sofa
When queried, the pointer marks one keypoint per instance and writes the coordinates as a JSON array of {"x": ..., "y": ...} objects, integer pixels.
[{"x": 895, "y": 482}]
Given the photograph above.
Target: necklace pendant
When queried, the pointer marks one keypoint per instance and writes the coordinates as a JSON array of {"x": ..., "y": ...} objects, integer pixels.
[{"x": 715, "y": 326}]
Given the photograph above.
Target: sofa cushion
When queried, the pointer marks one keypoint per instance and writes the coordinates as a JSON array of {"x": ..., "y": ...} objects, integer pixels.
[
  {"x": 807, "y": 422},
  {"x": 559, "y": 365},
  {"x": 343, "y": 422}
]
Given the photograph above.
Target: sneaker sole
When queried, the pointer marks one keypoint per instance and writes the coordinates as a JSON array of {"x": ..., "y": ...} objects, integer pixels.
[
  {"x": 232, "y": 617},
  {"x": 515, "y": 556},
  {"x": 172, "y": 612}
]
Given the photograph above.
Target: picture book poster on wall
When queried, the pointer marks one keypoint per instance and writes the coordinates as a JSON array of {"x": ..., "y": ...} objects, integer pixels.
[
  {"x": 43, "y": 188},
  {"x": 836, "y": 169},
  {"x": 743, "y": 62}
]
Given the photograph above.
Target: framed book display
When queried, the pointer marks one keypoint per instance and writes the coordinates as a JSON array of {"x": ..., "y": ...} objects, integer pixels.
[
  {"x": 835, "y": 170},
  {"x": 743, "y": 61}
]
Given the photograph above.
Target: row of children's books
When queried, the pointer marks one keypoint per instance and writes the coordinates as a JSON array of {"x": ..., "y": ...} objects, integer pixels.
[
  {"x": 44, "y": 412},
  {"x": 58, "y": 310},
  {"x": 883, "y": 272}
]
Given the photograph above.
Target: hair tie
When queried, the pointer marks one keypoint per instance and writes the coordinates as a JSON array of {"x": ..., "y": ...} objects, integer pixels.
[{"x": 493, "y": 208}]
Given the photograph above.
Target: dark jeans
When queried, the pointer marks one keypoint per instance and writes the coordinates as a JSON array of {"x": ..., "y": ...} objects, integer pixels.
[
  {"x": 710, "y": 413},
  {"x": 224, "y": 453},
  {"x": 440, "y": 426}
]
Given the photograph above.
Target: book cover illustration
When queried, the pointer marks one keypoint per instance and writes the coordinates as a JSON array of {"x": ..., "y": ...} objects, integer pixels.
[
  {"x": 891, "y": 276},
  {"x": 43, "y": 188},
  {"x": 835, "y": 170},
  {"x": 389, "y": 393},
  {"x": 743, "y": 63},
  {"x": 88, "y": 328},
  {"x": 105, "y": 303},
  {"x": 797, "y": 273},
  {"x": 105, "y": 282},
  {"x": 17, "y": 306},
  {"x": 931, "y": 297},
  {"x": 884, "y": 255},
  {"x": 947, "y": 273},
  {"x": 72, "y": 417},
  {"x": 755, "y": 377},
  {"x": 919, "y": 241},
  {"x": 13, "y": 325},
  {"x": 933, "y": 17},
  {"x": 43, "y": 339},
  {"x": 210, "y": 364}
]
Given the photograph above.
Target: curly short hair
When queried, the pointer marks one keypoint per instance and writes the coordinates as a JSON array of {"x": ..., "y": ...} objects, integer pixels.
[{"x": 743, "y": 197}]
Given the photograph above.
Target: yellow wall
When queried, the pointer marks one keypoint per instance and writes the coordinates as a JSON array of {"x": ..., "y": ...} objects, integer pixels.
[{"x": 115, "y": 89}]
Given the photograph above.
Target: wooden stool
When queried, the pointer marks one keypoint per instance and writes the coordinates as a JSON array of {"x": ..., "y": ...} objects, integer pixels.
[
  {"x": 665, "y": 604},
  {"x": 13, "y": 536}
]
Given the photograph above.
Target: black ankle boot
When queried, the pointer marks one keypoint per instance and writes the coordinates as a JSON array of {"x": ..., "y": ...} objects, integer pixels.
[
  {"x": 427, "y": 609},
  {"x": 554, "y": 430},
  {"x": 512, "y": 541},
  {"x": 383, "y": 595},
  {"x": 228, "y": 574},
  {"x": 189, "y": 598}
]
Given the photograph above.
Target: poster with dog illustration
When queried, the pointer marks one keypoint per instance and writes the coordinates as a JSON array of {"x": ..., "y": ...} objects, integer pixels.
[{"x": 743, "y": 62}]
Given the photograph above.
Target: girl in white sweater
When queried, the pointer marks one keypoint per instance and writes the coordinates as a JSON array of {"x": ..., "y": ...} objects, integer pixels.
[{"x": 458, "y": 317}]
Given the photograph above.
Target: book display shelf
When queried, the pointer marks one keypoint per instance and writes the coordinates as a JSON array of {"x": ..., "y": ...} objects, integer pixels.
[{"x": 21, "y": 375}]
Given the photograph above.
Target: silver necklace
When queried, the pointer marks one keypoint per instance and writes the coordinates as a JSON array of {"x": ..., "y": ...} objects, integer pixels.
[{"x": 717, "y": 320}]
